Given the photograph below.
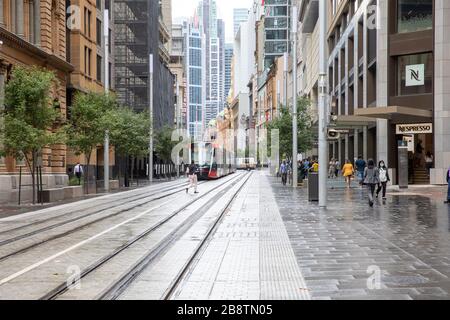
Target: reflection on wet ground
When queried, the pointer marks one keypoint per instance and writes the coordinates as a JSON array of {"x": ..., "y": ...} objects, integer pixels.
[{"x": 406, "y": 238}]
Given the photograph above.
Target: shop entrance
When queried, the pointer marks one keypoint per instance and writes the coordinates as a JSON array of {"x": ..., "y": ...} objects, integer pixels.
[{"x": 420, "y": 151}]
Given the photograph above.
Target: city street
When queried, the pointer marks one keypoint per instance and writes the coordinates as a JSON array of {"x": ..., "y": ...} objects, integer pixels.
[{"x": 244, "y": 236}]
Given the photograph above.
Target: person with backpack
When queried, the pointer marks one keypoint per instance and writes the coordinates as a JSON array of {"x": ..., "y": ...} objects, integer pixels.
[
  {"x": 193, "y": 179},
  {"x": 384, "y": 178},
  {"x": 448, "y": 190},
  {"x": 371, "y": 179}
]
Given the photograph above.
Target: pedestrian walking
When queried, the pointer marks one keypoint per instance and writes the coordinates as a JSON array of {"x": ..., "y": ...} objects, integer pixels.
[
  {"x": 448, "y": 190},
  {"x": 315, "y": 166},
  {"x": 284, "y": 173},
  {"x": 78, "y": 169},
  {"x": 348, "y": 171},
  {"x": 331, "y": 169},
  {"x": 371, "y": 179},
  {"x": 192, "y": 172},
  {"x": 360, "y": 168},
  {"x": 384, "y": 178},
  {"x": 338, "y": 168}
]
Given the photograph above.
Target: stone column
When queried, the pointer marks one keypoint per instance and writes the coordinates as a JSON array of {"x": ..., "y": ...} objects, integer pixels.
[
  {"x": 365, "y": 153},
  {"x": 382, "y": 82},
  {"x": 37, "y": 22},
  {"x": 346, "y": 146},
  {"x": 19, "y": 18},
  {"x": 442, "y": 93},
  {"x": 2, "y": 18},
  {"x": 356, "y": 144}
]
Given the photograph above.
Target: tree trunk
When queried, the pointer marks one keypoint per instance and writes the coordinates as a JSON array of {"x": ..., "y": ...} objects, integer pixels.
[
  {"x": 132, "y": 169},
  {"x": 86, "y": 178}
]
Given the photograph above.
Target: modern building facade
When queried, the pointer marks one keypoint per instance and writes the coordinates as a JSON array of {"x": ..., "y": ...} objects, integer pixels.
[
  {"x": 139, "y": 32},
  {"x": 214, "y": 33},
  {"x": 240, "y": 15},
  {"x": 276, "y": 29},
  {"x": 33, "y": 33},
  {"x": 388, "y": 63},
  {"x": 195, "y": 64},
  {"x": 228, "y": 63},
  {"x": 178, "y": 67}
]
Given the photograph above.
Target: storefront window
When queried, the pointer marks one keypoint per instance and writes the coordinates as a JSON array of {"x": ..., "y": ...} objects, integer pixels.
[
  {"x": 415, "y": 74},
  {"x": 414, "y": 15}
]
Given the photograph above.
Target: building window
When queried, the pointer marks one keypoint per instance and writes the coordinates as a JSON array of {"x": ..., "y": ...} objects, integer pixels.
[
  {"x": 110, "y": 74},
  {"x": 415, "y": 74},
  {"x": 414, "y": 15},
  {"x": 99, "y": 68},
  {"x": 99, "y": 4},
  {"x": 87, "y": 22},
  {"x": 87, "y": 61},
  {"x": 99, "y": 32}
]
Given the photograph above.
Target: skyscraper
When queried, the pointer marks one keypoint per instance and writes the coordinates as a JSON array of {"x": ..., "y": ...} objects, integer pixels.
[
  {"x": 195, "y": 58},
  {"x": 239, "y": 15},
  {"x": 228, "y": 61},
  {"x": 214, "y": 33},
  {"x": 276, "y": 26}
]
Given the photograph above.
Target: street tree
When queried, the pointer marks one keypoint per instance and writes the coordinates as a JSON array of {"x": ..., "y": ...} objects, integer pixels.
[
  {"x": 129, "y": 133},
  {"x": 30, "y": 119},
  {"x": 88, "y": 122},
  {"x": 284, "y": 124},
  {"x": 164, "y": 143}
]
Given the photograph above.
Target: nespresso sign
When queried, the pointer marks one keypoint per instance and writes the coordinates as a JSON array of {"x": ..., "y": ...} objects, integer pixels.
[{"x": 414, "y": 128}]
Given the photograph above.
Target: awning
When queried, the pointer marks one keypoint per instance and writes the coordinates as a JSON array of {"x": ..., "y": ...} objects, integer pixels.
[
  {"x": 396, "y": 114},
  {"x": 354, "y": 122}
]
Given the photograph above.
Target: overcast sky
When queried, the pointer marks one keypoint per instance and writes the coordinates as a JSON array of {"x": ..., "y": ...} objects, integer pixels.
[{"x": 185, "y": 8}]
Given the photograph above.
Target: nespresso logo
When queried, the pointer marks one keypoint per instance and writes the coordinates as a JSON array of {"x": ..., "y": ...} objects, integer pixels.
[{"x": 414, "y": 128}]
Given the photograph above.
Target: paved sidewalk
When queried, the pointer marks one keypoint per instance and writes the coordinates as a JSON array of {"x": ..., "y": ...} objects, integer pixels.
[
  {"x": 406, "y": 239},
  {"x": 250, "y": 256}
]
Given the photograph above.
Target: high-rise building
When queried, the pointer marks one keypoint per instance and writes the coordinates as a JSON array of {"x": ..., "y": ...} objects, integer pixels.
[
  {"x": 240, "y": 15},
  {"x": 214, "y": 33},
  {"x": 276, "y": 29},
  {"x": 228, "y": 62},
  {"x": 195, "y": 61},
  {"x": 178, "y": 68},
  {"x": 139, "y": 32}
]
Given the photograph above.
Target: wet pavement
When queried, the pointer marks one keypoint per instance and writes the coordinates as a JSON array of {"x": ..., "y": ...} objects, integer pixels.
[{"x": 400, "y": 249}]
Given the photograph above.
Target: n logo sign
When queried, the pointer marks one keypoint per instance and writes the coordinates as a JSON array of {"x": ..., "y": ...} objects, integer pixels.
[{"x": 415, "y": 75}]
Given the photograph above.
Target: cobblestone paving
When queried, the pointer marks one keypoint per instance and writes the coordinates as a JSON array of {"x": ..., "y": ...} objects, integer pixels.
[{"x": 341, "y": 250}]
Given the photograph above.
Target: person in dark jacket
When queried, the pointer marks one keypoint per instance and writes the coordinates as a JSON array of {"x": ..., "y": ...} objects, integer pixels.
[
  {"x": 371, "y": 179},
  {"x": 192, "y": 172},
  {"x": 448, "y": 191}
]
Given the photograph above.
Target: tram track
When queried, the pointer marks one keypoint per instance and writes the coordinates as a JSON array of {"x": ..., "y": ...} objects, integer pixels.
[
  {"x": 65, "y": 222},
  {"x": 115, "y": 291},
  {"x": 120, "y": 200},
  {"x": 112, "y": 291}
]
